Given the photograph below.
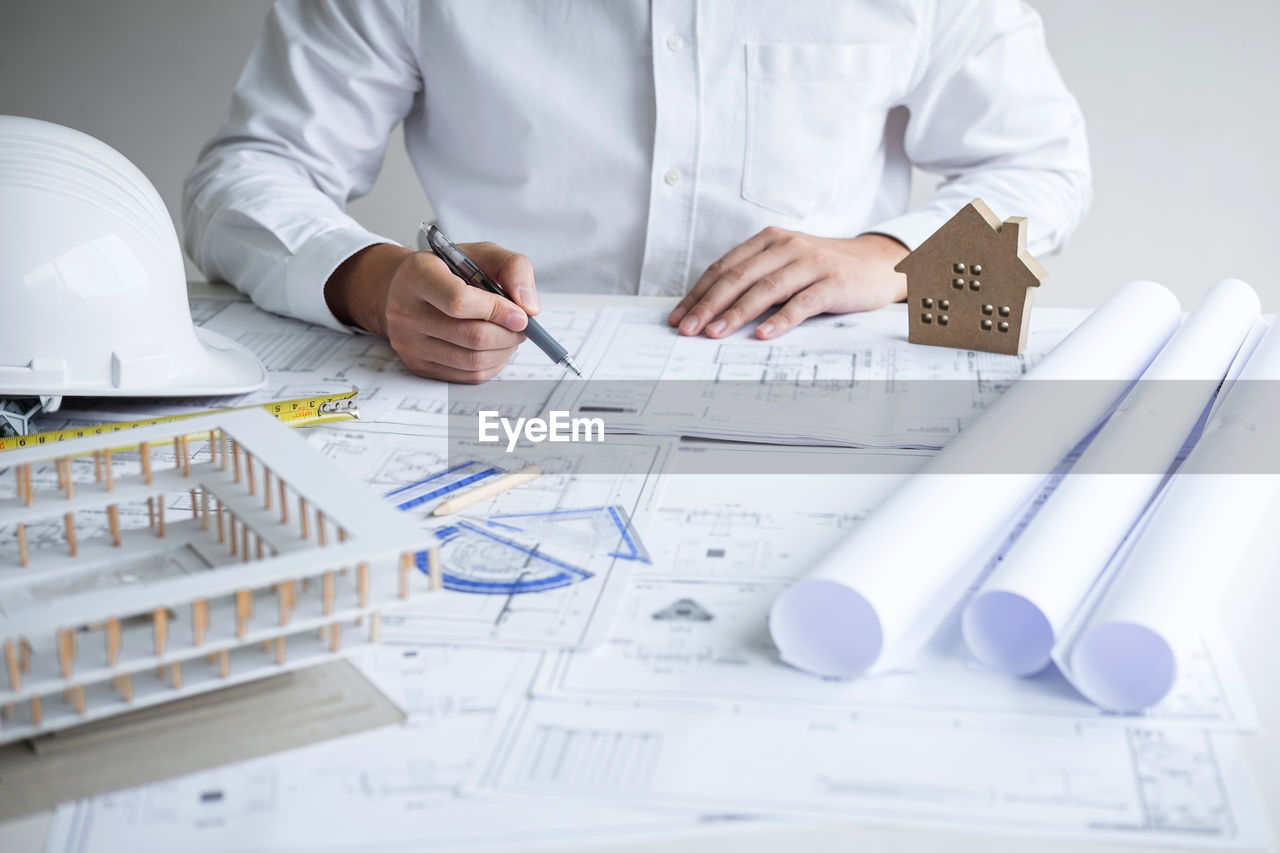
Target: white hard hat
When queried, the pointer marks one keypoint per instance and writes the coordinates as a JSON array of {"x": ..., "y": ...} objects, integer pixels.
[{"x": 93, "y": 296}]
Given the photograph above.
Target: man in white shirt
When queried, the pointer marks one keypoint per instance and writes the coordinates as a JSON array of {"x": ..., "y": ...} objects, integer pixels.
[{"x": 740, "y": 154}]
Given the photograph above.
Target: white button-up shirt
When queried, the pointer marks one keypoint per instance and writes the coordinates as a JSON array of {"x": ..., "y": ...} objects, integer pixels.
[{"x": 625, "y": 145}]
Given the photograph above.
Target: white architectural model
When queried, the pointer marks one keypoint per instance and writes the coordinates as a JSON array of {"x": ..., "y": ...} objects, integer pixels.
[{"x": 272, "y": 554}]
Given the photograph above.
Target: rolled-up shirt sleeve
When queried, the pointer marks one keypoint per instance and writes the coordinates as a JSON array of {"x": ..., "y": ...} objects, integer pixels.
[
  {"x": 990, "y": 113},
  {"x": 307, "y": 130}
]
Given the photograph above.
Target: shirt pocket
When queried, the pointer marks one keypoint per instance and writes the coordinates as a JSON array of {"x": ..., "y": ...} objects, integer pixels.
[{"x": 815, "y": 118}]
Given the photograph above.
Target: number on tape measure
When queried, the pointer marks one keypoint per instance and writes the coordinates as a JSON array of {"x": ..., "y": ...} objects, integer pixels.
[{"x": 323, "y": 408}]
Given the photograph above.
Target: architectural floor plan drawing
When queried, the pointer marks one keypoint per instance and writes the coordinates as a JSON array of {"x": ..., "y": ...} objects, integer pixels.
[
  {"x": 580, "y": 526},
  {"x": 842, "y": 350},
  {"x": 487, "y": 562},
  {"x": 391, "y": 789},
  {"x": 706, "y": 643},
  {"x": 850, "y": 380},
  {"x": 598, "y": 667},
  {"x": 1131, "y": 783},
  {"x": 515, "y": 553},
  {"x": 543, "y": 564},
  {"x": 304, "y": 359},
  {"x": 842, "y": 380},
  {"x": 692, "y": 627},
  {"x": 314, "y": 357}
]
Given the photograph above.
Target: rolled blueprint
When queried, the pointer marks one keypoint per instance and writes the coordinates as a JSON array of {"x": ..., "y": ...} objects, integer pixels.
[
  {"x": 878, "y": 596},
  {"x": 1122, "y": 652},
  {"x": 1014, "y": 620}
]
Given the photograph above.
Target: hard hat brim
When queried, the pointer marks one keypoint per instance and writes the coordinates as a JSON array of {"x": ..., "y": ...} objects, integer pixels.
[
  {"x": 233, "y": 369},
  {"x": 218, "y": 366}
]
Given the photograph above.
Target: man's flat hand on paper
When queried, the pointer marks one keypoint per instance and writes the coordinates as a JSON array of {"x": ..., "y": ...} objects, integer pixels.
[{"x": 807, "y": 275}]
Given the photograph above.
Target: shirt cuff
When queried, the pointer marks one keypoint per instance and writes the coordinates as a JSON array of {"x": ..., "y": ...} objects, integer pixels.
[
  {"x": 912, "y": 229},
  {"x": 310, "y": 267}
]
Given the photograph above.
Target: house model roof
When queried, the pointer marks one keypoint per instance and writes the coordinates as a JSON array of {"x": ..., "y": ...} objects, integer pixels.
[{"x": 966, "y": 228}]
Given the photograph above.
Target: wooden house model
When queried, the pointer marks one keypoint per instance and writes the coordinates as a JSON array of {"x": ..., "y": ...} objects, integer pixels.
[{"x": 969, "y": 285}]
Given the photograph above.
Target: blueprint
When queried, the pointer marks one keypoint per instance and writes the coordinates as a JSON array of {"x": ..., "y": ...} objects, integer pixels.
[
  {"x": 305, "y": 360},
  {"x": 693, "y": 624},
  {"x": 706, "y": 643},
  {"x": 1132, "y": 783},
  {"x": 846, "y": 380},
  {"x": 599, "y": 668},
  {"x": 544, "y": 564},
  {"x": 382, "y": 790},
  {"x": 477, "y": 766}
]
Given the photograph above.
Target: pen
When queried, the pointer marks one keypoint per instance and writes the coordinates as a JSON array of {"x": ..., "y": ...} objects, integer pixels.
[{"x": 465, "y": 268}]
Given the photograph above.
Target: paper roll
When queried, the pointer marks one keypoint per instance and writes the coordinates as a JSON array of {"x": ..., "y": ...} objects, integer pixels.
[
  {"x": 1016, "y": 617},
  {"x": 1122, "y": 655},
  {"x": 880, "y": 593}
]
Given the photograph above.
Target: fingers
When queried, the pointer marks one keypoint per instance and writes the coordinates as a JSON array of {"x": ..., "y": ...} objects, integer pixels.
[
  {"x": 809, "y": 302},
  {"x": 761, "y": 272},
  {"x": 807, "y": 275},
  {"x": 443, "y": 328},
  {"x": 764, "y": 294},
  {"x": 478, "y": 335},
  {"x": 453, "y": 297},
  {"x": 407, "y": 329},
  {"x": 728, "y": 266},
  {"x": 510, "y": 269},
  {"x": 476, "y": 365},
  {"x": 431, "y": 370}
]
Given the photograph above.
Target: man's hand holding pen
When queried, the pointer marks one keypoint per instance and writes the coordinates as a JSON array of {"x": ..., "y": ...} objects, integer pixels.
[{"x": 441, "y": 327}]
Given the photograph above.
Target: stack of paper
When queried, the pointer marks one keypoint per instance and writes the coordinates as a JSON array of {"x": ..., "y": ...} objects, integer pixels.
[
  {"x": 646, "y": 698},
  {"x": 1019, "y": 614},
  {"x": 882, "y": 592},
  {"x": 850, "y": 381},
  {"x": 1115, "y": 621}
]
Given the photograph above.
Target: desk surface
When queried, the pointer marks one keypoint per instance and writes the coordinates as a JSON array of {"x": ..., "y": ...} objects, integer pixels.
[{"x": 1248, "y": 610}]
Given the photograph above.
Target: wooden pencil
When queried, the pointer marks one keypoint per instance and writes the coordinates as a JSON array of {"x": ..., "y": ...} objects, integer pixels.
[{"x": 505, "y": 483}]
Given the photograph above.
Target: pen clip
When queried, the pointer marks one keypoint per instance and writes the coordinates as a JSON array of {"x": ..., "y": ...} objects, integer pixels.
[
  {"x": 432, "y": 238},
  {"x": 456, "y": 260}
]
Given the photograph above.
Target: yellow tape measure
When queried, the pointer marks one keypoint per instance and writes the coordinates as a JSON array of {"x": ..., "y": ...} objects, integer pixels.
[{"x": 302, "y": 411}]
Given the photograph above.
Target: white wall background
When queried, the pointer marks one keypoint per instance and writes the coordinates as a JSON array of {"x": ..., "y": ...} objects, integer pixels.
[{"x": 1180, "y": 97}]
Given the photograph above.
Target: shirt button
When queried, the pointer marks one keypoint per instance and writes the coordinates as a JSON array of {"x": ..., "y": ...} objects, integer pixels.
[
  {"x": 672, "y": 177},
  {"x": 674, "y": 43}
]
